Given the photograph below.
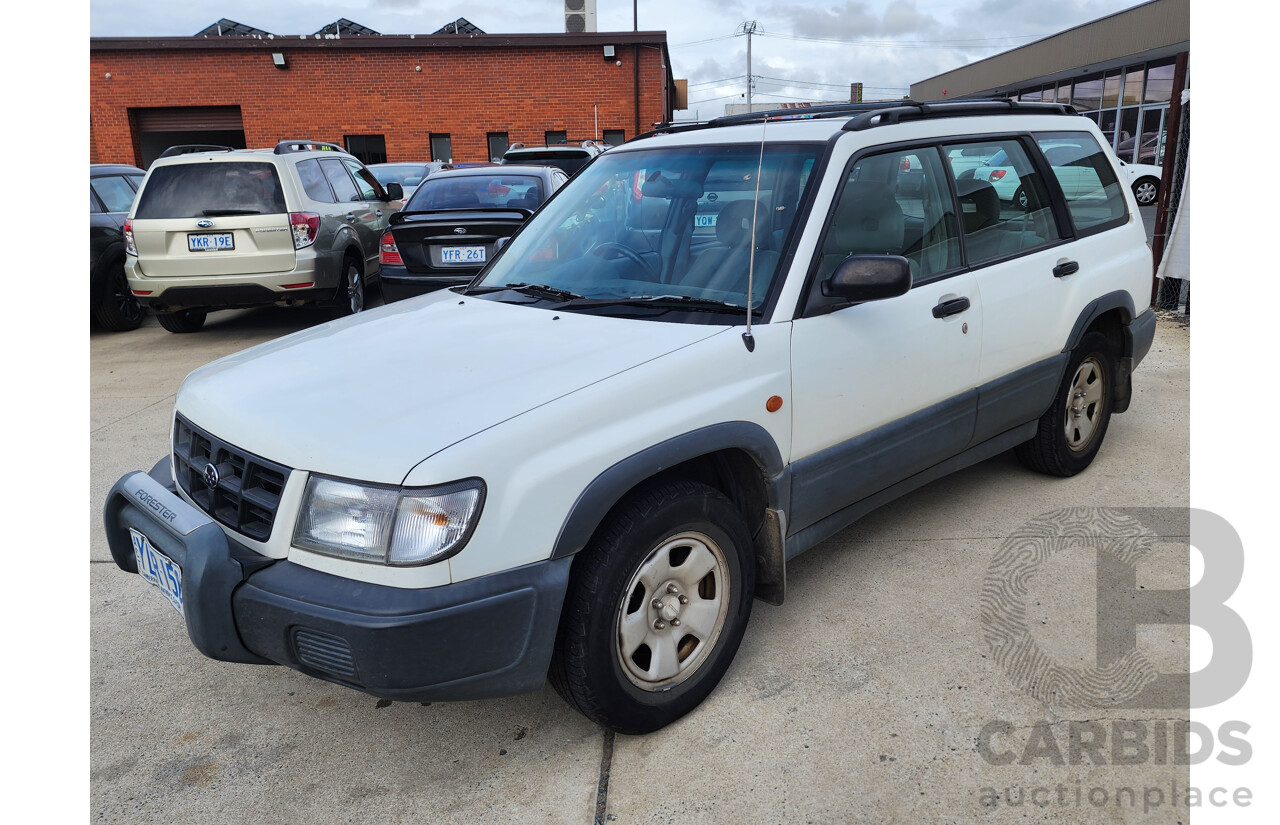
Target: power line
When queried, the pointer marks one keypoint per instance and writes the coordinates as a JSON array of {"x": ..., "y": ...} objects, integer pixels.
[{"x": 907, "y": 44}]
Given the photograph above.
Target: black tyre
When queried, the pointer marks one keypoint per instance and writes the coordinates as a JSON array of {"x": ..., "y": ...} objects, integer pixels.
[
  {"x": 656, "y": 607},
  {"x": 1146, "y": 190},
  {"x": 190, "y": 320},
  {"x": 1072, "y": 429},
  {"x": 114, "y": 307},
  {"x": 350, "y": 297}
]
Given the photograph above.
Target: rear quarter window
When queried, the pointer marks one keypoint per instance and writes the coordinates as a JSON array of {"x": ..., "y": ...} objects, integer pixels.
[
  {"x": 1094, "y": 197},
  {"x": 194, "y": 190},
  {"x": 313, "y": 181}
]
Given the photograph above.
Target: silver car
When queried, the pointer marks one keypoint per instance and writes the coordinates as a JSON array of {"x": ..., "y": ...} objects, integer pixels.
[{"x": 219, "y": 228}]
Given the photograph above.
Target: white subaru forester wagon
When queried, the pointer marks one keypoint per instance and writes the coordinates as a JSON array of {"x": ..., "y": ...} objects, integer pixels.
[{"x": 716, "y": 346}]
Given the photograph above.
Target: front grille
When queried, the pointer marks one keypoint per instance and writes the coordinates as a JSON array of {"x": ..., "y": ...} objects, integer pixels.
[
  {"x": 248, "y": 489},
  {"x": 324, "y": 652}
]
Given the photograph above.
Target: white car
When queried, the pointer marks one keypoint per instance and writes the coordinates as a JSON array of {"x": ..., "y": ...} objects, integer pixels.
[
  {"x": 586, "y": 464},
  {"x": 1064, "y": 158},
  {"x": 1144, "y": 180}
]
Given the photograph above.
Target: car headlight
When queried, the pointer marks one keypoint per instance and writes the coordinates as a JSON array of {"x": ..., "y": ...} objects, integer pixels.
[{"x": 387, "y": 525}]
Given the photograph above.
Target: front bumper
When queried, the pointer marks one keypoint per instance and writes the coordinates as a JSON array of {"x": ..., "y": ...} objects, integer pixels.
[{"x": 489, "y": 636}]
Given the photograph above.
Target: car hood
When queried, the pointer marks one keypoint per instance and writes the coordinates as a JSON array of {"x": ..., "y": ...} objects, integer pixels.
[{"x": 370, "y": 397}]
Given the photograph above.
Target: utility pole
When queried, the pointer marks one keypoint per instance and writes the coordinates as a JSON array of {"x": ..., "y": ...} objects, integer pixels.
[{"x": 749, "y": 28}]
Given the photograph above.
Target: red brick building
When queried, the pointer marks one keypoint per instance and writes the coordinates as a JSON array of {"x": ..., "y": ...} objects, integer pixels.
[{"x": 384, "y": 97}]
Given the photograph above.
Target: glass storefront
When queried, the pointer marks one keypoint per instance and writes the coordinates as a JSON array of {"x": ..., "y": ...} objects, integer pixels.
[{"x": 1128, "y": 105}]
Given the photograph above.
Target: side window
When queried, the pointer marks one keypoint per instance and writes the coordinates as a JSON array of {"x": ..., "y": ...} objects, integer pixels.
[
  {"x": 115, "y": 192},
  {"x": 94, "y": 206},
  {"x": 1094, "y": 196},
  {"x": 365, "y": 181},
  {"x": 317, "y": 188},
  {"x": 336, "y": 174},
  {"x": 896, "y": 203},
  {"x": 1004, "y": 206}
]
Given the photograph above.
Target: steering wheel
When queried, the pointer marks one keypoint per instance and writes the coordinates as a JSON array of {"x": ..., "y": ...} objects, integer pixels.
[{"x": 624, "y": 251}]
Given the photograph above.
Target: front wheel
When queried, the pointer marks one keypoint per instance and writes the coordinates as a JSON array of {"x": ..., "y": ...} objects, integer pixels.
[
  {"x": 1146, "y": 191},
  {"x": 1071, "y": 431},
  {"x": 656, "y": 607},
  {"x": 115, "y": 308}
]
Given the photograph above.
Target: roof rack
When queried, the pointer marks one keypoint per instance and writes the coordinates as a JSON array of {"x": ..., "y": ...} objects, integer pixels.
[
  {"x": 189, "y": 148},
  {"x": 883, "y": 113},
  {"x": 952, "y": 108},
  {"x": 286, "y": 147}
]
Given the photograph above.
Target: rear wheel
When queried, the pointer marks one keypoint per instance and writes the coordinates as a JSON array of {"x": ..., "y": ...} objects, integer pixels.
[
  {"x": 656, "y": 607},
  {"x": 115, "y": 308},
  {"x": 189, "y": 320},
  {"x": 350, "y": 297},
  {"x": 1071, "y": 431}
]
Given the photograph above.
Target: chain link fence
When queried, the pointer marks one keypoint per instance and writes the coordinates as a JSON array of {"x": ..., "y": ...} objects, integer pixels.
[{"x": 1176, "y": 292}]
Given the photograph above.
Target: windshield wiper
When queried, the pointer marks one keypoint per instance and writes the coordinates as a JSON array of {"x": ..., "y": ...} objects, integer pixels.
[
  {"x": 687, "y": 303},
  {"x": 215, "y": 213},
  {"x": 545, "y": 292}
]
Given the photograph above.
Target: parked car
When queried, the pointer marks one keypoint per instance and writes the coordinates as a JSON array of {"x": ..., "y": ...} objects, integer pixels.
[
  {"x": 566, "y": 157},
  {"x": 453, "y": 224},
  {"x": 408, "y": 175},
  {"x": 112, "y": 187},
  {"x": 588, "y": 463},
  {"x": 1144, "y": 180},
  {"x": 220, "y": 228}
]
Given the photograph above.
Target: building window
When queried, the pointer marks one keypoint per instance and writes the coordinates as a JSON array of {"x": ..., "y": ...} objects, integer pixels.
[
  {"x": 556, "y": 137},
  {"x": 615, "y": 137},
  {"x": 441, "y": 148},
  {"x": 498, "y": 145},
  {"x": 1159, "y": 84},
  {"x": 368, "y": 148}
]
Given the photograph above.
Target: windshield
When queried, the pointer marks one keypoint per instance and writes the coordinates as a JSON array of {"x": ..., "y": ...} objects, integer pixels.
[
  {"x": 640, "y": 225},
  {"x": 405, "y": 175},
  {"x": 469, "y": 191}
]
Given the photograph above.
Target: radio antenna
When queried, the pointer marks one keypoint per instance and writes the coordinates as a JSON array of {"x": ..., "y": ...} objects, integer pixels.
[{"x": 747, "y": 337}]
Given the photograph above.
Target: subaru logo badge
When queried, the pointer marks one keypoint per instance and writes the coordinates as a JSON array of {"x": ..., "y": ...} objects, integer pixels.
[
  {"x": 210, "y": 476},
  {"x": 460, "y": 230},
  {"x": 204, "y": 223}
]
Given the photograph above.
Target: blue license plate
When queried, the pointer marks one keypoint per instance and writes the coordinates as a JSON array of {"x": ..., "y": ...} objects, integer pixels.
[
  {"x": 158, "y": 569},
  {"x": 462, "y": 254}
]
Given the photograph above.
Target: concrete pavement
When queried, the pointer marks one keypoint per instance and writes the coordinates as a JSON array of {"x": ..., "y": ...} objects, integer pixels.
[{"x": 862, "y": 699}]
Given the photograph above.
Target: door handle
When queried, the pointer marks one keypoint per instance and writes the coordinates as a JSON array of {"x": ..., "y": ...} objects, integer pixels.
[
  {"x": 952, "y": 307},
  {"x": 1066, "y": 268}
]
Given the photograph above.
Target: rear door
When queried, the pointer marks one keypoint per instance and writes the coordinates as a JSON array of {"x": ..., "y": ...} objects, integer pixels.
[{"x": 213, "y": 217}]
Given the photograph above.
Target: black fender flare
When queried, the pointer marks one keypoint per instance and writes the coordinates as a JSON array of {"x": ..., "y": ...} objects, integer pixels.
[
  {"x": 606, "y": 489},
  {"x": 1121, "y": 300}
]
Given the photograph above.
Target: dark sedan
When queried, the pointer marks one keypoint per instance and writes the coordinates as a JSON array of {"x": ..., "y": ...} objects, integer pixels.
[
  {"x": 450, "y": 228},
  {"x": 111, "y": 190}
]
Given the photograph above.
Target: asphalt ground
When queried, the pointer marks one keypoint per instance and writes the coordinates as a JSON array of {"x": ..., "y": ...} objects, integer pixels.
[{"x": 864, "y": 698}]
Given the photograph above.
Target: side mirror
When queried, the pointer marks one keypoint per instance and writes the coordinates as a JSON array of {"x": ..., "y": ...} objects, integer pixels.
[
  {"x": 869, "y": 278},
  {"x": 394, "y": 191}
]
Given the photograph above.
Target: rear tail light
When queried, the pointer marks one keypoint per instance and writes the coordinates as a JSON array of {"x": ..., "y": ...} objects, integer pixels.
[
  {"x": 905, "y": 165},
  {"x": 996, "y": 174},
  {"x": 305, "y": 225},
  {"x": 389, "y": 253},
  {"x": 129, "y": 246}
]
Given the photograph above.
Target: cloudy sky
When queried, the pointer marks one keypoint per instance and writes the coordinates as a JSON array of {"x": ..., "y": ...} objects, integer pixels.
[{"x": 804, "y": 51}]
